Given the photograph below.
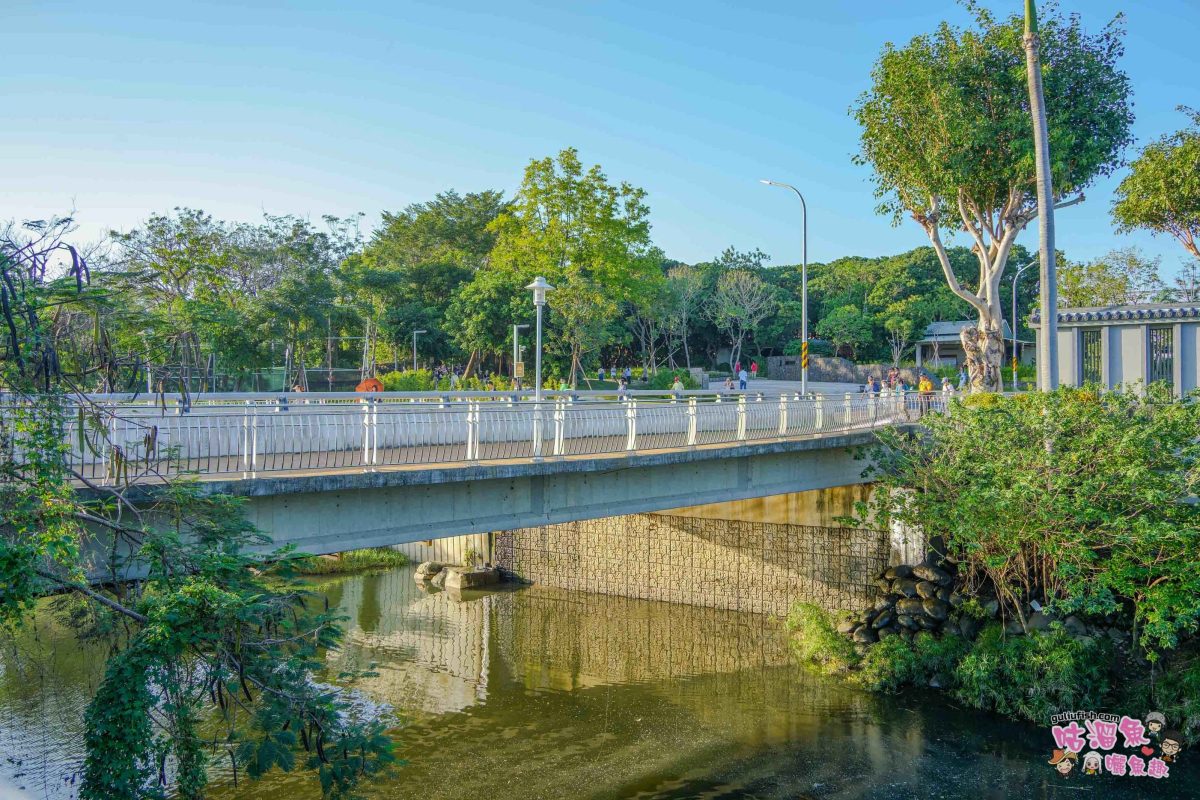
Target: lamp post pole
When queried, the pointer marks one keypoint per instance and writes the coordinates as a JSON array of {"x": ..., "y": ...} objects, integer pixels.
[
  {"x": 803, "y": 284},
  {"x": 539, "y": 287},
  {"x": 415, "y": 348},
  {"x": 517, "y": 351},
  {"x": 1016, "y": 277}
]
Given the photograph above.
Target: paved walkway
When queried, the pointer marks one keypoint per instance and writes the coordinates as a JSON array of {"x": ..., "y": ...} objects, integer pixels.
[{"x": 768, "y": 386}]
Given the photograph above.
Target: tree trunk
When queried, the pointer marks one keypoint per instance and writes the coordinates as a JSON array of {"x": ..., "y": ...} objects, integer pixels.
[
  {"x": 469, "y": 369},
  {"x": 1048, "y": 338},
  {"x": 984, "y": 348}
]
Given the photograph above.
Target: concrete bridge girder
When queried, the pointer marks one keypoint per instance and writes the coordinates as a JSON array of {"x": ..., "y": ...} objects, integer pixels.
[{"x": 346, "y": 511}]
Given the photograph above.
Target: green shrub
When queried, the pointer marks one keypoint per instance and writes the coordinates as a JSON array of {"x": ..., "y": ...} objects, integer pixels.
[
  {"x": 1172, "y": 687},
  {"x": 409, "y": 380},
  {"x": 816, "y": 642},
  {"x": 1033, "y": 676},
  {"x": 352, "y": 561},
  {"x": 666, "y": 378},
  {"x": 894, "y": 662}
]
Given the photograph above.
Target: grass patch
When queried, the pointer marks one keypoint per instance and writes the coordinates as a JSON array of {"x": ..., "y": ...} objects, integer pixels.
[
  {"x": 816, "y": 642},
  {"x": 894, "y": 662},
  {"x": 371, "y": 558},
  {"x": 1032, "y": 677}
]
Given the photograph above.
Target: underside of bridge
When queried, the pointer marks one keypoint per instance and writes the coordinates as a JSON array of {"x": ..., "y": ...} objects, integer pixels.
[{"x": 346, "y": 511}]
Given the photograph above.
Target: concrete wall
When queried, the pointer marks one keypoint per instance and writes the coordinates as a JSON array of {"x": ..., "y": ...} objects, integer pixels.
[
  {"x": 450, "y": 550},
  {"x": 1125, "y": 353},
  {"x": 759, "y": 567}
]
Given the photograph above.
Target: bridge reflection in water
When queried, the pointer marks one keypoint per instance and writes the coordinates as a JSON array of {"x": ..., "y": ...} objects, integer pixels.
[{"x": 548, "y": 693}]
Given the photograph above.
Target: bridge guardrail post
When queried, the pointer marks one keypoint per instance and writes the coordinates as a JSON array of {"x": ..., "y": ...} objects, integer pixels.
[
  {"x": 560, "y": 424},
  {"x": 250, "y": 440},
  {"x": 783, "y": 415},
  {"x": 473, "y": 412},
  {"x": 537, "y": 431},
  {"x": 818, "y": 412},
  {"x": 848, "y": 411},
  {"x": 631, "y": 425},
  {"x": 692, "y": 428},
  {"x": 370, "y": 446},
  {"x": 741, "y": 418}
]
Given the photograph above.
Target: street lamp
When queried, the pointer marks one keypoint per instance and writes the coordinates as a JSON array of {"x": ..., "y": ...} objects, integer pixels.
[
  {"x": 517, "y": 351},
  {"x": 539, "y": 287},
  {"x": 1016, "y": 277},
  {"x": 803, "y": 286},
  {"x": 415, "y": 348}
]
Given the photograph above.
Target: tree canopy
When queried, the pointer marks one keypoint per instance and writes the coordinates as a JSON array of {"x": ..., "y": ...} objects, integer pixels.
[
  {"x": 1161, "y": 193},
  {"x": 946, "y": 129}
]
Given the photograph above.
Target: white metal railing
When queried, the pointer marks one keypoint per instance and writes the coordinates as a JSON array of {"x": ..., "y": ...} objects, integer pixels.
[{"x": 116, "y": 440}]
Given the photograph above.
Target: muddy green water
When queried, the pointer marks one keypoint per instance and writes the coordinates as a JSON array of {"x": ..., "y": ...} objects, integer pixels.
[{"x": 540, "y": 693}]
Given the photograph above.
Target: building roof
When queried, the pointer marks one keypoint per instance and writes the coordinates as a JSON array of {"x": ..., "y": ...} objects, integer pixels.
[
  {"x": 1130, "y": 313},
  {"x": 951, "y": 331}
]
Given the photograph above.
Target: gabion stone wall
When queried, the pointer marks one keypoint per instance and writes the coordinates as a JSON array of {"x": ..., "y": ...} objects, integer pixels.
[{"x": 759, "y": 567}]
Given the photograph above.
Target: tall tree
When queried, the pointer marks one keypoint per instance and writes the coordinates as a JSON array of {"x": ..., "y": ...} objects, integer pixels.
[
  {"x": 1119, "y": 277},
  {"x": 1161, "y": 193},
  {"x": 589, "y": 237},
  {"x": 687, "y": 286},
  {"x": 945, "y": 127},
  {"x": 740, "y": 303}
]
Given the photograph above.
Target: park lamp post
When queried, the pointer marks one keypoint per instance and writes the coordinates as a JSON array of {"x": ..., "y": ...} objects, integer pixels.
[
  {"x": 517, "y": 351},
  {"x": 803, "y": 284},
  {"x": 415, "y": 332},
  {"x": 1016, "y": 277},
  {"x": 539, "y": 287}
]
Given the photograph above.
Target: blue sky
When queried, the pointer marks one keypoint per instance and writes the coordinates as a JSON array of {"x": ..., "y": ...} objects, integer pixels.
[{"x": 124, "y": 108}]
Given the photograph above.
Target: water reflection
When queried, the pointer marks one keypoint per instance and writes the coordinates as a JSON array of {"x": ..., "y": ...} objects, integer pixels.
[{"x": 544, "y": 693}]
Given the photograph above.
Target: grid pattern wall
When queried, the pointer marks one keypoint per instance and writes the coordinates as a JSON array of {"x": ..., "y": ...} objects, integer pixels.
[{"x": 758, "y": 567}]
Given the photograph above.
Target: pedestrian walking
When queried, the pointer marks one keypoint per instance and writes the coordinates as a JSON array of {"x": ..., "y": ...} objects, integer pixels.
[
  {"x": 743, "y": 377},
  {"x": 754, "y": 369}
]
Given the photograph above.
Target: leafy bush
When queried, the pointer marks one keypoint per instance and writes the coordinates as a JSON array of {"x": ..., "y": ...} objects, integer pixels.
[
  {"x": 1069, "y": 497},
  {"x": 1172, "y": 687},
  {"x": 1033, "y": 676},
  {"x": 409, "y": 380},
  {"x": 665, "y": 379},
  {"x": 894, "y": 662},
  {"x": 816, "y": 642}
]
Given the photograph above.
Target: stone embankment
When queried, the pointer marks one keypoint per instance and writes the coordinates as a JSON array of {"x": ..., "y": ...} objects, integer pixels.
[{"x": 923, "y": 597}]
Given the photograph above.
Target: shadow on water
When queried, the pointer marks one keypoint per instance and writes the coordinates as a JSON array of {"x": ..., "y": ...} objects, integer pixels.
[{"x": 542, "y": 693}]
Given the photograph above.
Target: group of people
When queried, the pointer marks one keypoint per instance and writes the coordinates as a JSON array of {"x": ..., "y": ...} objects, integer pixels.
[
  {"x": 621, "y": 377},
  {"x": 894, "y": 382}
]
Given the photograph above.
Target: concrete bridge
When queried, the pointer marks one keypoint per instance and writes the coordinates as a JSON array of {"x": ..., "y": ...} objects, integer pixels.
[{"x": 337, "y": 472}]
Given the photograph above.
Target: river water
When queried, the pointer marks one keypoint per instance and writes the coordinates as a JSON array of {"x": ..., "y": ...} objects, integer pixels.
[{"x": 541, "y": 693}]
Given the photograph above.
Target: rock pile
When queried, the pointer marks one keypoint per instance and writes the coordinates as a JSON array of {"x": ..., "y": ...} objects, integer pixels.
[
  {"x": 923, "y": 598},
  {"x": 912, "y": 599}
]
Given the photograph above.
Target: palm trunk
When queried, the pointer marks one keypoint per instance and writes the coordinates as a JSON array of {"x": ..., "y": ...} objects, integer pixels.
[{"x": 1048, "y": 341}]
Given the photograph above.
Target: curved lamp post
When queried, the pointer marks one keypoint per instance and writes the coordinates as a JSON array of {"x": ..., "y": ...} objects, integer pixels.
[{"x": 803, "y": 285}]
